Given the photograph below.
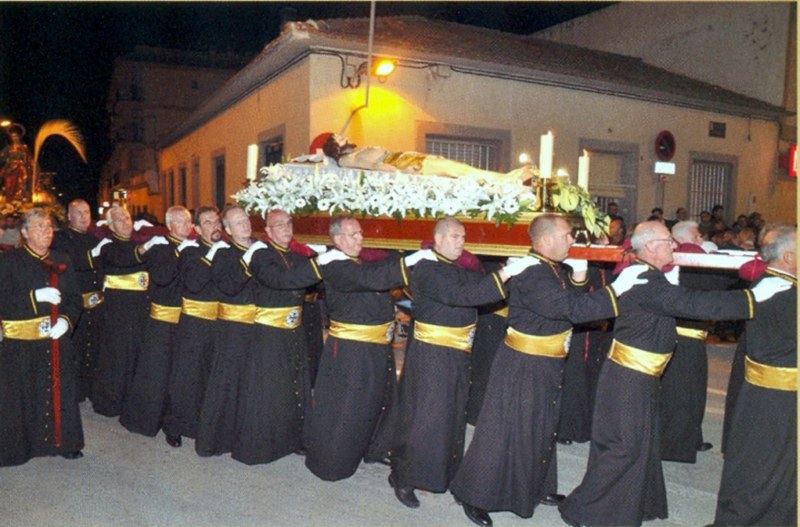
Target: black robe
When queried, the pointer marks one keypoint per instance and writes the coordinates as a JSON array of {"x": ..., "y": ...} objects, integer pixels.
[
  {"x": 759, "y": 475},
  {"x": 216, "y": 428},
  {"x": 124, "y": 316},
  {"x": 624, "y": 482},
  {"x": 434, "y": 387},
  {"x": 511, "y": 462},
  {"x": 355, "y": 379},
  {"x": 145, "y": 403},
  {"x": 26, "y": 381},
  {"x": 275, "y": 388},
  {"x": 194, "y": 346},
  {"x": 86, "y": 337}
]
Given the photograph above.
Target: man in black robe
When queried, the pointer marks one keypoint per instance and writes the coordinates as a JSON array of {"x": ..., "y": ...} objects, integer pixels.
[
  {"x": 624, "y": 482},
  {"x": 275, "y": 388},
  {"x": 216, "y": 428},
  {"x": 357, "y": 370},
  {"x": 759, "y": 476},
  {"x": 434, "y": 387},
  {"x": 197, "y": 329},
  {"x": 145, "y": 402},
  {"x": 77, "y": 242},
  {"x": 511, "y": 461},
  {"x": 125, "y": 311},
  {"x": 39, "y": 413}
]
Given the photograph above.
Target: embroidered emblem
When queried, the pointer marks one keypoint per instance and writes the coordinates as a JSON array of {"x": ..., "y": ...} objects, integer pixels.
[
  {"x": 293, "y": 317},
  {"x": 471, "y": 337},
  {"x": 44, "y": 327},
  {"x": 142, "y": 280}
]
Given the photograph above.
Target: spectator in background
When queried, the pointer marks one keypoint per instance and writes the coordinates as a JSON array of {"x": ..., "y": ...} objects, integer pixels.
[
  {"x": 616, "y": 232},
  {"x": 746, "y": 239},
  {"x": 718, "y": 214},
  {"x": 741, "y": 223},
  {"x": 9, "y": 231},
  {"x": 656, "y": 214},
  {"x": 681, "y": 214},
  {"x": 612, "y": 209},
  {"x": 706, "y": 224}
]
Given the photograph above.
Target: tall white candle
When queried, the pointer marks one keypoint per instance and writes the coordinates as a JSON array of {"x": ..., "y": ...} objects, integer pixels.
[
  {"x": 583, "y": 171},
  {"x": 546, "y": 155},
  {"x": 252, "y": 161}
]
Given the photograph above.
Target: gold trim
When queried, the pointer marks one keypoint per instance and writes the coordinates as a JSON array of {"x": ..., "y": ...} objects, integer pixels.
[
  {"x": 772, "y": 377},
  {"x": 128, "y": 282},
  {"x": 169, "y": 314},
  {"x": 640, "y": 360},
  {"x": 31, "y": 329},
  {"x": 246, "y": 314},
  {"x": 92, "y": 299},
  {"x": 280, "y": 317},
  {"x": 459, "y": 338},
  {"x": 544, "y": 345},
  {"x": 379, "y": 334},
  {"x": 698, "y": 334},
  {"x": 199, "y": 309}
]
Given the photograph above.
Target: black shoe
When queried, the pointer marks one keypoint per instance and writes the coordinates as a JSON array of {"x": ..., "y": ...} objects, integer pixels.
[
  {"x": 72, "y": 455},
  {"x": 405, "y": 495},
  {"x": 565, "y": 441},
  {"x": 301, "y": 451},
  {"x": 174, "y": 441},
  {"x": 704, "y": 447},
  {"x": 477, "y": 516},
  {"x": 383, "y": 461},
  {"x": 552, "y": 499}
]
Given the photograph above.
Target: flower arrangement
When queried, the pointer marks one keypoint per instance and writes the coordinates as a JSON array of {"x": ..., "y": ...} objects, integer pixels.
[
  {"x": 577, "y": 201},
  {"x": 305, "y": 190}
]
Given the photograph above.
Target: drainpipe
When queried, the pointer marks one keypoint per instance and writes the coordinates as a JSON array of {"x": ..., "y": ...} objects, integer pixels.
[{"x": 369, "y": 67}]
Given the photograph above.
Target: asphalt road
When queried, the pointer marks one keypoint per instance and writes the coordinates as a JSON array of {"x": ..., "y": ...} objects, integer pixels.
[{"x": 130, "y": 480}]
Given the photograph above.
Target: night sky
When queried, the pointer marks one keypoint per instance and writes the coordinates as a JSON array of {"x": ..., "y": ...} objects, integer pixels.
[{"x": 56, "y": 58}]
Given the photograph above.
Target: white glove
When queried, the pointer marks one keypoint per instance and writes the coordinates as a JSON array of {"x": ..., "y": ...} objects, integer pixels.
[
  {"x": 415, "y": 257},
  {"x": 673, "y": 275},
  {"x": 248, "y": 254},
  {"x": 138, "y": 224},
  {"x": 100, "y": 223},
  {"x": 628, "y": 278},
  {"x": 95, "y": 252},
  {"x": 514, "y": 266},
  {"x": 50, "y": 295},
  {"x": 317, "y": 248},
  {"x": 57, "y": 330},
  {"x": 331, "y": 256},
  {"x": 214, "y": 248},
  {"x": 578, "y": 266},
  {"x": 769, "y": 287},
  {"x": 155, "y": 240},
  {"x": 187, "y": 243}
]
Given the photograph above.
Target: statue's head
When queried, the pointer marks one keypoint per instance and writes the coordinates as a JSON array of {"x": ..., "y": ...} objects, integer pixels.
[{"x": 336, "y": 146}]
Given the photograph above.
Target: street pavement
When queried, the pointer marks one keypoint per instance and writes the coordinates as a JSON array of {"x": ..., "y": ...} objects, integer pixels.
[{"x": 130, "y": 480}]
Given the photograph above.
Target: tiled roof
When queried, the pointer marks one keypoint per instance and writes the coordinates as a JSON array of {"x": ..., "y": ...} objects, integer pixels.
[{"x": 479, "y": 51}]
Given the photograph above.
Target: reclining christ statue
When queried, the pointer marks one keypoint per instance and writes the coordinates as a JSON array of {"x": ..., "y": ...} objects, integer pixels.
[{"x": 378, "y": 158}]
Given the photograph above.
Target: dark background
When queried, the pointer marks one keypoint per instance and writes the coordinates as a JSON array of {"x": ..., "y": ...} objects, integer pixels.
[{"x": 56, "y": 59}]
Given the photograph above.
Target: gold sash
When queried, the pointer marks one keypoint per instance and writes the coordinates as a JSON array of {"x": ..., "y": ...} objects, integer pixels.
[
  {"x": 92, "y": 299},
  {"x": 169, "y": 314},
  {"x": 640, "y": 360},
  {"x": 246, "y": 314},
  {"x": 199, "y": 309},
  {"x": 31, "y": 329},
  {"x": 773, "y": 377},
  {"x": 449, "y": 337},
  {"x": 546, "y": 346},
  {"x": 502, "y": 312},
  {"x": 128, "y": 282},
  {"x": 698, "y": 334},
  {"x": 280, "y": 317},
  {"x": 380, "y": 334}
]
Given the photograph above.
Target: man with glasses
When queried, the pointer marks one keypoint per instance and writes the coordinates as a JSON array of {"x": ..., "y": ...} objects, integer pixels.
[
  {"x": 624, "y": 483},
  {"x": 274, "y": 390}
]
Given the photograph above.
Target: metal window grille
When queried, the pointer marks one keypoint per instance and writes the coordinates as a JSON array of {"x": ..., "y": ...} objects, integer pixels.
[
  {"x": 219, "y": 181},
  {"x": 479, "y": 153},
  {"x": 709, "y": 185}
]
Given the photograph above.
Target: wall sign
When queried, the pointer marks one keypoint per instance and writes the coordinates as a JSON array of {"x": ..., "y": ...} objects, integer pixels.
[{"x": 665, "y": 145}]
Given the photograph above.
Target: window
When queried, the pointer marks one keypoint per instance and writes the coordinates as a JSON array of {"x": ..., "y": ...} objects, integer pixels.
[
  {"x": 171, "y": 187},
  {"x": 195, "y": 182},
  {"x": 709, "y": 185},
  {"x": 182, "y": 184},
  {"x": 218, "y": 163},
  {"x": 480, "y": 153},
  {"x": 271, "y": 151}
]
